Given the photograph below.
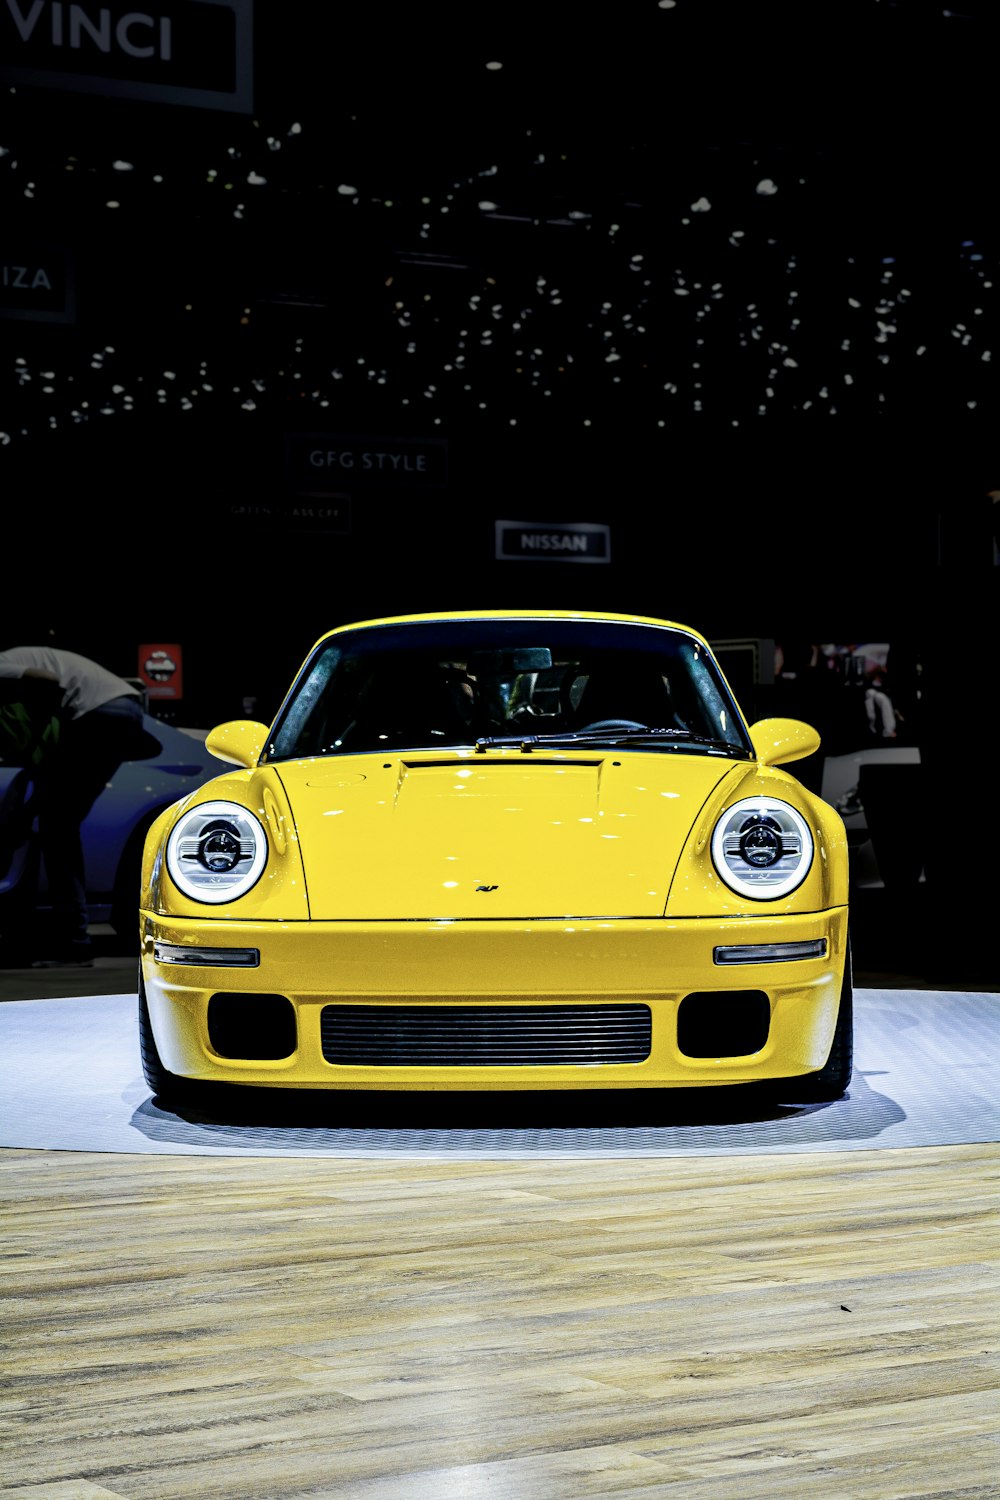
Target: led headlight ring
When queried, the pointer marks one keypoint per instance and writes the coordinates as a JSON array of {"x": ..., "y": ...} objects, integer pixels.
[
  {"x": 216, "y": 852},
  {"x": 762, "y": 848}
]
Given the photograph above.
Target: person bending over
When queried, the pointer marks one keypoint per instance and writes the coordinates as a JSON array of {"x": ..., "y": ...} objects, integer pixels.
[{"x": 100, "y": 725}]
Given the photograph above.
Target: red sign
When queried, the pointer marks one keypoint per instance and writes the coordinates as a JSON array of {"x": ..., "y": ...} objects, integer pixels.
[{"x": 161, "y": 670}]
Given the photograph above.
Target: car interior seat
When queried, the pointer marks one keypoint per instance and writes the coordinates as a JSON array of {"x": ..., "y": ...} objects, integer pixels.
[
  {"x": 422, "y": 705},
  {"x": 639, "y": 694}
]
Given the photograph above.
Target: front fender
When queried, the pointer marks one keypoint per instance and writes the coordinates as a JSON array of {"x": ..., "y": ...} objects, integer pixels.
[
  {"x": 280, "y": 893},
  {"x": 699, "y": 891}
]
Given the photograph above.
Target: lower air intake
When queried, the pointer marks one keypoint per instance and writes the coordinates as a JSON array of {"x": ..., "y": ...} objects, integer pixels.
[
  {"x": 485, "y": 1036},
  {"x": 723, "y": 1023}
]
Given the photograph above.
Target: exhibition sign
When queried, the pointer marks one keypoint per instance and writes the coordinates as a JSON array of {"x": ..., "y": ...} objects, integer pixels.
[
  {"x": 556, "y": 541},
  {"x": 36, "y": 282},
  {"x": 161, "y": 671},
  {"x": 317, "y": 461},
  {"x": 187, "y": 52}
]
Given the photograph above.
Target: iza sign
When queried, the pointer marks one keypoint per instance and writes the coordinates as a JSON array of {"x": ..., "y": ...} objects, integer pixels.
[
  {"x": 36, "y": 282},
  {"x": 194, "y": 52},
  {"x": 552, "y": 541}
]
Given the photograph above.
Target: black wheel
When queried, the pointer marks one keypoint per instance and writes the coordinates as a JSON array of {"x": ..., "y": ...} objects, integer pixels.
[
  {"x": 168, "y": 1089},
  {"x": 833, "y": 1078}
]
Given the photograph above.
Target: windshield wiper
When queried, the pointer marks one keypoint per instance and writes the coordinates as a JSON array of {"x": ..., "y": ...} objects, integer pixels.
[{"x": 581, "y": 738}]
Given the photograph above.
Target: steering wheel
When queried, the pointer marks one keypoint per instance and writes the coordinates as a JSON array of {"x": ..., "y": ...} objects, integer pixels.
[{"x": 612, "y": 724}]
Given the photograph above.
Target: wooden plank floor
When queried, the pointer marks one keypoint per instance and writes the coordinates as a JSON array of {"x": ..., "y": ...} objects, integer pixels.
[{"x": 693, "y": 1327}]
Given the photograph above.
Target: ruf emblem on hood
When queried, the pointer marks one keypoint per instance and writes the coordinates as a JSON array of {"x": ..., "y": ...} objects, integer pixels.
[{"x": 486, "y": 887}]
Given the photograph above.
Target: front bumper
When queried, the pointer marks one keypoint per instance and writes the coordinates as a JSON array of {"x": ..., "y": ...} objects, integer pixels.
[{"x": 307, "y": 967}]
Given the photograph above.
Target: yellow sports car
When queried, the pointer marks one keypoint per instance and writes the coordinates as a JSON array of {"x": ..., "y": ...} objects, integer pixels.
[{"x": 500, "y": 850}]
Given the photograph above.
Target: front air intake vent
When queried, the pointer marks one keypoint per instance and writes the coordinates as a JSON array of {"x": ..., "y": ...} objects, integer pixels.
[
  {"x": 251, "y": 1026},
  {"x": 485, "y": 1036},
  {"x": 723, "y": 1023}
]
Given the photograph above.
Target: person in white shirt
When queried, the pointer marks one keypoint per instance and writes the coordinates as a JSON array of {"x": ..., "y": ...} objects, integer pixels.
[
  {"x": 100, "y": 725},
  {"x": 878, "y": 707}
]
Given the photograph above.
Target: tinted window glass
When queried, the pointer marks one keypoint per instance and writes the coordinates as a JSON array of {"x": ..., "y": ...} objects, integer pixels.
[{"x": 449, "y": 683}]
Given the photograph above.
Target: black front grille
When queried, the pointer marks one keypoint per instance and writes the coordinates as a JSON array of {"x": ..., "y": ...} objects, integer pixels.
[{"x": 485, "y": 1036}]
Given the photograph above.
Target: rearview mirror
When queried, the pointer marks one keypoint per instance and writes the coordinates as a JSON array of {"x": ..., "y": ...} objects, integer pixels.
[
  {"x": 509, "y": 663},
  {"x": 776, "y": 741},
  {"x": 239, "y": 741}
]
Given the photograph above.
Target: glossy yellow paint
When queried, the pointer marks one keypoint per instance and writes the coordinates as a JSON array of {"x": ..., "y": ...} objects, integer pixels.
[
  {"x": 579, "y": 834},
  {"x": 340, "y": 925},
  {"x": 698, "y": 891},
  {"x": 457, "y": 963},
  {"x": 450, "y": 877},
  {"x": 239, "y": 741},
  {"x": 280, "y": 893},
  {"x": 582, "y": 834},
  {"x": 778, "y": 741}
]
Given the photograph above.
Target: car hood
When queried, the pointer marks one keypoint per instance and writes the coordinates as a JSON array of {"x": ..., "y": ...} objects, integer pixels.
[{"x": 505, "y": 836}]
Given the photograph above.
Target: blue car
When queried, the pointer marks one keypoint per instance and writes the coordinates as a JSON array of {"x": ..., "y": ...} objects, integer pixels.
[{"x": 113, "y": 832}]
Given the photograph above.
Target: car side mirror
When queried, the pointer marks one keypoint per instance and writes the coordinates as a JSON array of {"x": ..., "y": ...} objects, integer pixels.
[
  {"x": 239, "y": 741},
  {"x": 776, "y": 741}
]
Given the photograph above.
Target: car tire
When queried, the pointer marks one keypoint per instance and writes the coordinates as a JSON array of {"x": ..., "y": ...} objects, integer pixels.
[
  {"x": 832, "y": 1080},
  {"x": 168, "y": 1089}
]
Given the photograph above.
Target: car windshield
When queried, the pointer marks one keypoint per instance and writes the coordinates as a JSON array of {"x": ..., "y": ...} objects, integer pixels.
[{"x": 458, "y": 682}]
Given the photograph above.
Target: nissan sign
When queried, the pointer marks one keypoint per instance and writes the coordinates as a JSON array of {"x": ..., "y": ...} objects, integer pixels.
[{"x": 552, "y": 541}]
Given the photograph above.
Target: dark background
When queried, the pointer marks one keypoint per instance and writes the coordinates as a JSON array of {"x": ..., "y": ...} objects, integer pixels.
[{"x": 720, "y": 277}]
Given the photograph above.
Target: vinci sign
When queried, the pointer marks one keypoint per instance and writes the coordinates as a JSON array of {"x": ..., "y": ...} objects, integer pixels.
[{"x": 196, "y": 52}]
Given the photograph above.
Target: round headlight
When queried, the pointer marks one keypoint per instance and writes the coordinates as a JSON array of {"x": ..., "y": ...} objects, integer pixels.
[
  {"x": 762, "y": 848},
  {"x": 216, "y": 852}
]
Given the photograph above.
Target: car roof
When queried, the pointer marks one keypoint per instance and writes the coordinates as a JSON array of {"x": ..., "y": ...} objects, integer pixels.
[{"x": 609, "y": 616}]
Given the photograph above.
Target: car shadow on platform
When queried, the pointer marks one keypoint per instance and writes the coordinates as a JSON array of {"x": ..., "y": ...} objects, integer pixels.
[{"x": 559, "y": 1122}]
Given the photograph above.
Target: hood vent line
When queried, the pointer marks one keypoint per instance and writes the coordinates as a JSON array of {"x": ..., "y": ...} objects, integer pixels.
[{"x": 519, "y": 763}]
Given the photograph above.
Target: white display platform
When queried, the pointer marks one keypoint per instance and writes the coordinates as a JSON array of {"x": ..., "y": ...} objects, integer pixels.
[{"x": 926, "y": 1069}]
